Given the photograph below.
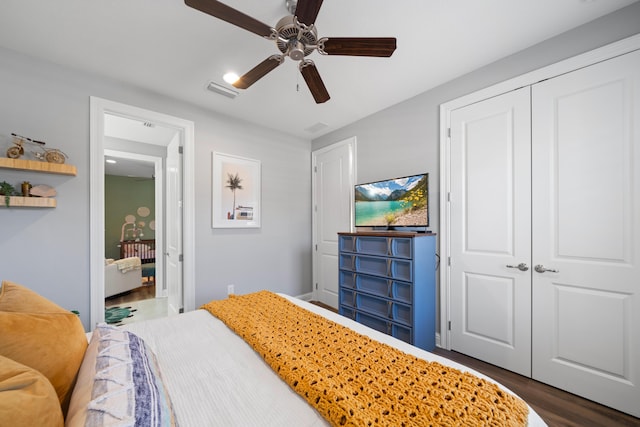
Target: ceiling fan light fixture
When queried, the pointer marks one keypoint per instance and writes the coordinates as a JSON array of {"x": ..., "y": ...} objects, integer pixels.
[
  {"x": 222, "y": 90},
  {"x": 230, "y": 77},
  {"x": 296, "y": 50}
]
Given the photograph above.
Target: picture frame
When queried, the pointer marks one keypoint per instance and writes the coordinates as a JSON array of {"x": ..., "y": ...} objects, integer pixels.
[{"x": 236, "y": 191}]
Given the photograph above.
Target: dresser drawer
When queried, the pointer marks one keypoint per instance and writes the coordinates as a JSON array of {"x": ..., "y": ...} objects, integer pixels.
[
  {"x": 347, "y": 298},
  {"x": 373, "y": 245},
  {"x": 398, "y": 247},
  {"x": 373, "y": 284},
  {"x": 400, "y": 291},
  {"x": 347, "y": 243},
  {"x": 399, "y": 269},
  {"x": 398, "y": 331},
  {"x": 381, "y": 307},
  {"x": 347, "y": 279},
  {"x": 347, "y": 312},
  {"x": 347, "y": 262}
]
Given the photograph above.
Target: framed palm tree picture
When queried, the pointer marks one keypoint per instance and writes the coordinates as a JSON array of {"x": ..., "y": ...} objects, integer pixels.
[{"x": 236, "y": 192}]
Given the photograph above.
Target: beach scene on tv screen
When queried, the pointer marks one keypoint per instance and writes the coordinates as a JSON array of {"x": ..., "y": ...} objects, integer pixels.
[{"x": 395, "y": 202}]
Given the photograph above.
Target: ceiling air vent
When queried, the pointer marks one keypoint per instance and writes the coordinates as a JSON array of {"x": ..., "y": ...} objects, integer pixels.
[
  {"x": 315, "y": 128},
  {"x": 222, "y": 90}
]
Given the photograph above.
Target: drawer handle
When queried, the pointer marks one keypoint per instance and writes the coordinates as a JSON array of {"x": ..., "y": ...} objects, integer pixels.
[
  {"x": 390, "y": 288},
  {"x": 389, "y": 309},
  {"x": 389, "y": 326}
]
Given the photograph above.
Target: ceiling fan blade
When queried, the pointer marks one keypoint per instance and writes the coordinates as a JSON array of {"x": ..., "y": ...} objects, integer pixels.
[
  {"x": 358, "y": 46},
  {"x": 230, "y": 15},
  {"x": 314, "y": 81},
  {"x": 258, "y": 72},
  {"x": 307, "y": 11}
]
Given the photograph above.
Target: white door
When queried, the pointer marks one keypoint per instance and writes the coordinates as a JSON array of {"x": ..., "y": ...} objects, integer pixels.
[
  {"x": 333, "y": 181},
  {"x": 490, "y": 205},
  {"x": 586, "y": 225},
  {"x": 174, "y": 227}
]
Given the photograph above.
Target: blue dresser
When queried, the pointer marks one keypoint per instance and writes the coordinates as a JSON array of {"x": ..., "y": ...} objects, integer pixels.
[{"x": 387, "y": 281}]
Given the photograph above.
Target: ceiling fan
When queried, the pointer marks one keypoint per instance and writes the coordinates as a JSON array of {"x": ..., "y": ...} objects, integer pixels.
[{"x": 296, "y": 37}]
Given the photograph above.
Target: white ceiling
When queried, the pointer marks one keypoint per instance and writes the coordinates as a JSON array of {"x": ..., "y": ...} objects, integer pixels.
[
  {"x": 134, "y": 130},
  {"x": 129, "y": 167},
  {"x": 172, "y": 49}
]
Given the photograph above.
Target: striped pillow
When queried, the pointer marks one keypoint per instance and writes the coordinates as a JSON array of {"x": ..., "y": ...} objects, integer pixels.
[{"x": 128, "y": 388}]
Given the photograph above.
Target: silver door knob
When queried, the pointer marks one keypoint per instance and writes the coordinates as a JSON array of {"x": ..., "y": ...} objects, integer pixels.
[
  {"x": 540, "y": 269},
  {"x": 522, "y": 266}
]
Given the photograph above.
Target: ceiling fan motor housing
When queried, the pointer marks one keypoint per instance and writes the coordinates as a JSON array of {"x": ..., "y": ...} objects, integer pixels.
[{"x": 294, "y": 39}]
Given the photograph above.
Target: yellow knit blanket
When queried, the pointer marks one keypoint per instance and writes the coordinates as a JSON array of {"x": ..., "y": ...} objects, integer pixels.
[{"x": 353, "y": 380}]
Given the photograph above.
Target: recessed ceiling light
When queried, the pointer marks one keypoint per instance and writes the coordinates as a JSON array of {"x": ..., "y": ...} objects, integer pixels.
[
  {"x": 230, "y": 78},
  {"x": 110, "y": 161}
]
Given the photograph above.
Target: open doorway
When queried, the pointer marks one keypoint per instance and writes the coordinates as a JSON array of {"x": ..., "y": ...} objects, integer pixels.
[
  {"x": 174, "y": 252},
  {"x": 135, "y": 285}
]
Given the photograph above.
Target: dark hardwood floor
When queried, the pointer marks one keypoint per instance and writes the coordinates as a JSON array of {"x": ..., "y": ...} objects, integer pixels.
[
  {"x": 146, "y": 291},
  {"x": 556, "y": 407}
]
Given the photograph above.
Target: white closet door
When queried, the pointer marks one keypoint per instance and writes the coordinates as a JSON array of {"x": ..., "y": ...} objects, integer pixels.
[
  {"x": 491, "y": 230},
  {"x": 586, "y": 225}
]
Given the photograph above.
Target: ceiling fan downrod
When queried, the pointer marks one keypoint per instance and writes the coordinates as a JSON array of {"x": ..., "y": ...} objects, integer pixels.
[{"x": 291, "y": 6}]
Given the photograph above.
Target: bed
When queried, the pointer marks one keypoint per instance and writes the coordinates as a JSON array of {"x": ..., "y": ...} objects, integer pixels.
[
  {"x": 143, "y": 249},
  {"x": 207, "y": 375}
]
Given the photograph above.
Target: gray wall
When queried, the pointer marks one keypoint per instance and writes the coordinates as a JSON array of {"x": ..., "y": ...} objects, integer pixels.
[{"x": 48, "y": 249}]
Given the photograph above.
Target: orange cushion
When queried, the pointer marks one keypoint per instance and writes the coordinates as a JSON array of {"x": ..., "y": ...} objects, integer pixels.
[
  {"x": 27, "y": 398},
  {"x": 42, "y": 335}
]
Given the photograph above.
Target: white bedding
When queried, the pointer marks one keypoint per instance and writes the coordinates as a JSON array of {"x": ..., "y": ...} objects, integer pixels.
[{"x": 215, "y": 379}]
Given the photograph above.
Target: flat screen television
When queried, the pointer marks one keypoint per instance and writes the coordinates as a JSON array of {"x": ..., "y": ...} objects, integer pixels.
[{"x": 398, "y": 203}]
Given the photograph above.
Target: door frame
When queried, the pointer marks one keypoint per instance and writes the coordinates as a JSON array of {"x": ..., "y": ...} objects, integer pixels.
[
  {"x": 185, "y": 128},
  {"x": 579, "y": 61},
  {"x": 353, "y": 144}
]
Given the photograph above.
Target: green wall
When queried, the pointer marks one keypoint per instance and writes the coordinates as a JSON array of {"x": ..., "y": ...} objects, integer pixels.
[{"x": 126, "y": 199}]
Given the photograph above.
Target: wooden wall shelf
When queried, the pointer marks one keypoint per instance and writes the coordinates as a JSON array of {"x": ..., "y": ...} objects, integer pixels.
[
  {"x": 37, "y": 166},
  {"x": 28, "y": 202}
]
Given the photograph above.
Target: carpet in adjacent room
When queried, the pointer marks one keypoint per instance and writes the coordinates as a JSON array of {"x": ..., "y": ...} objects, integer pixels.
[{"x": 114, "y": 315}]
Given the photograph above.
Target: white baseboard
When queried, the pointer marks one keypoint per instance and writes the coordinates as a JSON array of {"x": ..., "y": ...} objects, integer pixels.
[{"x": 305, "y": 297}]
